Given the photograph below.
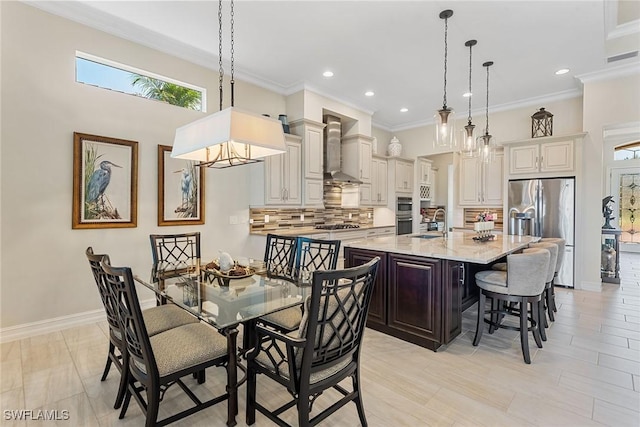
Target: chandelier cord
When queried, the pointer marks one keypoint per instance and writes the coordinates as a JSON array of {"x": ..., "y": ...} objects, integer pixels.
[
  {"x": 470, "y": 93},
  {"x": 220, "y": 70},
  {"x": 487, "y": 109},
  {"x": 446, "y": 30},
  {"x": 232, "y": 52}
]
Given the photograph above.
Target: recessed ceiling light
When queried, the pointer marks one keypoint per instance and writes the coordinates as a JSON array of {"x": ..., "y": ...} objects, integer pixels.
[
  {"x": 467, "y": 94},
  {"x": 562, "y": 71},
  {"x": 328, "y": 74},
  {"x": 404, "y": 110},
  {"x": 369, "y": 93}
]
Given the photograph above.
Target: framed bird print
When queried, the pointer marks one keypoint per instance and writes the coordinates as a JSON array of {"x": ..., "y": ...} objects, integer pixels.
[
  {"x": 180, "y": 190},
  {"x": 105, "y": 182}
]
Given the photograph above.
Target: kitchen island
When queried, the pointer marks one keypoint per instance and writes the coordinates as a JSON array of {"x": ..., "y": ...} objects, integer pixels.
[{"x": 425, "y": 282}]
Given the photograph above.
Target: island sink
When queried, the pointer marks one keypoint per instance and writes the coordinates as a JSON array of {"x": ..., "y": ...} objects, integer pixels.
[{"x": 427, "y": 236}]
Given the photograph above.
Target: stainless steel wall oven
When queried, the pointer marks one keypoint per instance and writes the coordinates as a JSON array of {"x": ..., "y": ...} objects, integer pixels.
[{"x": 404, "y": 218}]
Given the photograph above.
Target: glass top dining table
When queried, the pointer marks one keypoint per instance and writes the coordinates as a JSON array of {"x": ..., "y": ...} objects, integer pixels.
[{"x": 226, "y": 303}]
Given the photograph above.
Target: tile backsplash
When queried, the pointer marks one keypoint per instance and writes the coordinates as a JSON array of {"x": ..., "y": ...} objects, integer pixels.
[{"x": 286, "y": 218}]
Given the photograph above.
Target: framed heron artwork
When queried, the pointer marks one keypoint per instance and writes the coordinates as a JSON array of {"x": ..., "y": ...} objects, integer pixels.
[
  {"x": 105, "y": 182},
  {"x": 180, "y": 190}
]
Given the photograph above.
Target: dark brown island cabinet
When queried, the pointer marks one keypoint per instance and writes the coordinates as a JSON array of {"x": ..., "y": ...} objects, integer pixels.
[{"x": 418, "y": 299}]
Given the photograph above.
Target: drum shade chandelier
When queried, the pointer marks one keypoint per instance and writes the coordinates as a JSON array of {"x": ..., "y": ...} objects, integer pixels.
[
  {"x": 230, "y": 137},
  {"x": 445, "y": 116},
  {"x": 468, "y": 146},
  {"x": 486, "y": 143}
]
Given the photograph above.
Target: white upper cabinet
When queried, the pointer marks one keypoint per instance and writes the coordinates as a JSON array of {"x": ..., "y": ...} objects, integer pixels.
[
  {"x": 356, "y": 157},
  {"x": 379, "y": 178},
  {"x": 312, "y": 159},
  {"x": 403, "y": 173},
  {"x": 481, "y": 184},
  {"x": 283, "y": 175},
  {"x": 545, "y": 156},
  {"x": 425, "y": 171}
]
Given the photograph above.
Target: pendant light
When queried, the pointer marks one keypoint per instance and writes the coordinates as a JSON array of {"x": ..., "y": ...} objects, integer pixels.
[
  {"x": 445, "y": 116},
  {"x": 230, "y": 137},
  {"x": 486, "y": 143},
  {"x": 468, "y": 145}
]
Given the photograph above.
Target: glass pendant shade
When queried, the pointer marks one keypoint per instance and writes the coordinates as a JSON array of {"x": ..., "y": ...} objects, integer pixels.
[
  {"x": 486, "y": 148},
  {"x": 445, "y": 128},
  {"x": 468, "y": 146},
  {"x": 468, "y": 141}
]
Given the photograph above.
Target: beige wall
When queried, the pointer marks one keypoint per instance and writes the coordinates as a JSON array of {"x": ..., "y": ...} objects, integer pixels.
[
  {"x": 44, "y": 273},
  {"x": 607, "y": 103}
]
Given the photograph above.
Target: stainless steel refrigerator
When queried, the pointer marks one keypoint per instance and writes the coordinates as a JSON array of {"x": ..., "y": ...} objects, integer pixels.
[{"x": 545, "y": 208}]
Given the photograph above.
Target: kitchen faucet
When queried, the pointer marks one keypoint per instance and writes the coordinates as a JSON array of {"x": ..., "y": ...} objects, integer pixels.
[{"x": 444, "y": 214}]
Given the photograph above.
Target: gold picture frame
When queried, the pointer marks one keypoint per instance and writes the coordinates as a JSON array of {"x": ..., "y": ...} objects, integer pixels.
[
  {"x": 105, "y": 182},
  {"x": 180, "y": 190}
]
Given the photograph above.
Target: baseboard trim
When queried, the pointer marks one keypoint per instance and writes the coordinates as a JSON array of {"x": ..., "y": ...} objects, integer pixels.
[
  {"x": 28, "y": 330},
  {"x": 591, "y": 286}
]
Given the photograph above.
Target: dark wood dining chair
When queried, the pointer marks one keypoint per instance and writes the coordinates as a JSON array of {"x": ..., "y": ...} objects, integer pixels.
[
  {"x": 173, "y": 254},
  {"x": 325, "y": 351},
  {"x": 157, "y": 320},
  {"x": 311, "y": 255},
  {"x": 279, "y": 255},
  {"x": 158, "y": 362}
]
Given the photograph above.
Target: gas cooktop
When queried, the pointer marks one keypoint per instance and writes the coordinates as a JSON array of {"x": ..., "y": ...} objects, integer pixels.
[{"x": 336, "y": 226}]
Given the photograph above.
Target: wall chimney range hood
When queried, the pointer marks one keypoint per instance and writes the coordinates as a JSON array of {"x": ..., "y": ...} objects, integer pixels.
[{"x": 333, "y": 174}]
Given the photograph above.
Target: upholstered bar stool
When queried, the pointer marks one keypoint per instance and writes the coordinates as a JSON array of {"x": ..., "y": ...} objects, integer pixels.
[
  {"x": 546, "y": 295},
  {"x": 521, "y": 284},
  {"x": 561, "y": 248}
]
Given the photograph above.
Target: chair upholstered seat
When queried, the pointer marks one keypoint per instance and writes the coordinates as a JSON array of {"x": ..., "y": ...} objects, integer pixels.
[
  {"x": 492, "y": 280},
  {"x": 185, "y": 346},
  {"x": 164, "y": 317},
  {"x": 282, "y": 367},
  {"x": 287, "y": 319},
  {"x": 499, "y": 266}
]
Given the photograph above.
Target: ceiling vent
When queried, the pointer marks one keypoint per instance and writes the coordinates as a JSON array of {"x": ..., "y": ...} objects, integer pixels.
[{"x": 622, "y": 56}]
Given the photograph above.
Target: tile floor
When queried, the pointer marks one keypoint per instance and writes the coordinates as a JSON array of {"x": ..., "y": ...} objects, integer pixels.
[{"x": 588, "y": 373}]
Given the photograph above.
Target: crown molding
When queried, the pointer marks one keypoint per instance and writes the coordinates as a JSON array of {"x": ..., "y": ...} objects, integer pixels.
[
  {"x": 523, "y": 103},
  {"x": 611, "y": 73}
]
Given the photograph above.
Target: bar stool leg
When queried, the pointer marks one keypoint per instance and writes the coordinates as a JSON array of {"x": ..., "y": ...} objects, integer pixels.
[
  {"x": 524, "y": 330},
  {"x": 480, "y": 321},
  {"x": 547, "y": 293},
  {"x": 542, "y": 317},
  {"x": 535, "y": 324}
]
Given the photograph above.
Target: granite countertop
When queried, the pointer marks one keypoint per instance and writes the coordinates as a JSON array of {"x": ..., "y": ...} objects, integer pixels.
[
  {"x": 305, "y": 231},
  {"x": 458, "y": 246}
]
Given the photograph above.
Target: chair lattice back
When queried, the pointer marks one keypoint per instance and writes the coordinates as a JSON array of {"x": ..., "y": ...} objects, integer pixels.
[
  {"x": 314, "y": 254},
  {"x": 336, "y": 314},
  {"x": 107, "y": 300},
  {"x": 174, "y": 253},
  {"x": 120, "y": 283},
  {"x": 279, "y": 255}
]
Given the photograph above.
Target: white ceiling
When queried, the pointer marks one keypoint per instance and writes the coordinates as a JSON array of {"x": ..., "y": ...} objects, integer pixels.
[{"x": 394, "y": 48}]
